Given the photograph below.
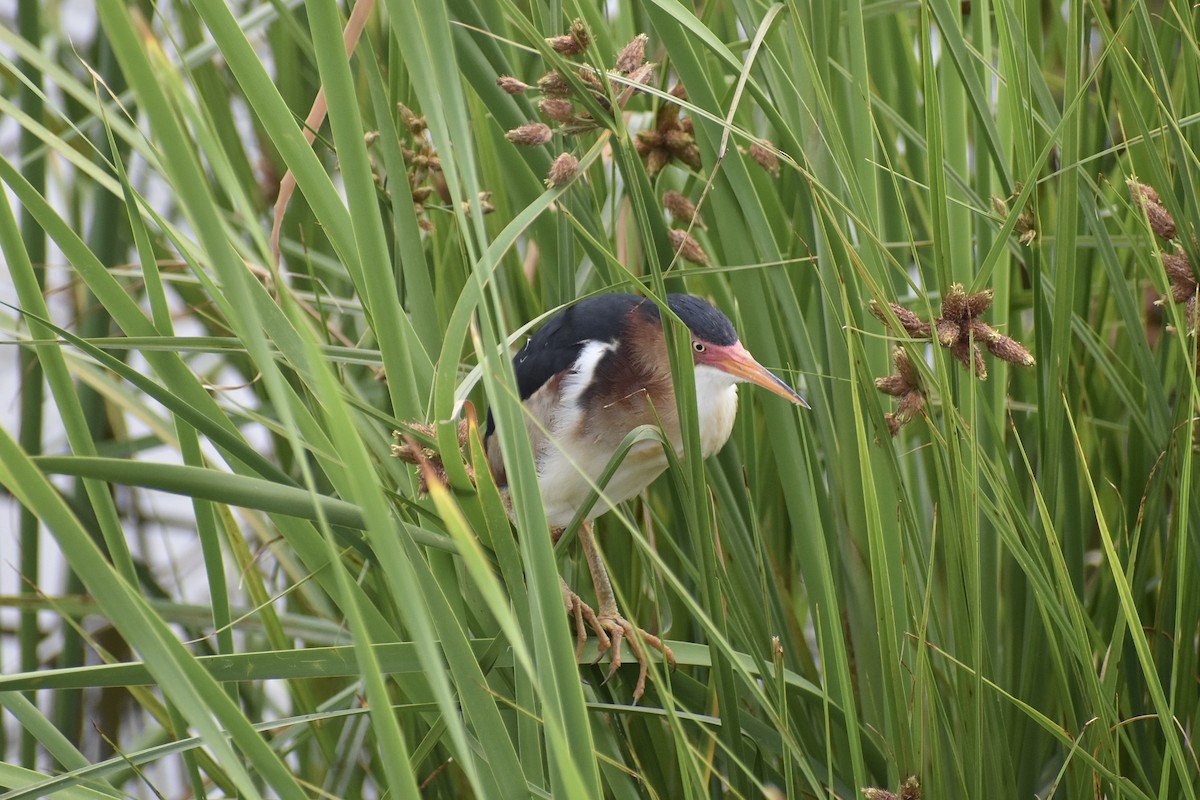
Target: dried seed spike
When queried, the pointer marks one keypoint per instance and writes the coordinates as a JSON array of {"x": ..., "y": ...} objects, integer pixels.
[
  {"x": 559, "y": 109},
  {"x": 512, "y": 85},
  {"x": 765, "y": 158},
  {"x": 1178, "y": 267},
  {"x": 999, "y": 205},
  {"x": 912, "y": 324},
  {"x": 979, "y": 302},
  {"x": 647, "y": 141},
  {"x": 954, "y": 304},
  {"x": 1142, "y": 191},
  {"x": 870, "y": 792},
  {"x": 579, "y": 32},
  {"x": 589, "y": 78},
  {"x": 1010, "y": 350},
  {"x": 553, "y": 84},
  {"x": 965, "y": 351},
  {"x": 689, "y": 249},
  {"x": 640, "y": 76},
  {"x": 532, "y": 134},
  {"x": 415, "y": 124},
  {"x": 680, "y": 208},
  {"x": 562, "y": 170},
  {"x": 683, "y": 146},
  {"x": 1025, "y": 228},
  {"x": 910, "y": 406},
  {"x": 565, "y": 45},
  {"x": 656, "y": 159},
  {"x": 1161, "y": 221},
  {"x": 948, "y": 332},
  {"x": 633, "y": 55},
  {"x": 905, "y": 367},
  {"x": 895, "y": 385}
]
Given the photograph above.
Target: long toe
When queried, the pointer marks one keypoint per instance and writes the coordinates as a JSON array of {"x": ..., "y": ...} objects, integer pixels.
[{"x": 584, "y": 618}]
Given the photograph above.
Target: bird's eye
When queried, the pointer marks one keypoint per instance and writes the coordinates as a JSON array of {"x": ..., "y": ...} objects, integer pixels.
[{"x": 698, "y": 347}]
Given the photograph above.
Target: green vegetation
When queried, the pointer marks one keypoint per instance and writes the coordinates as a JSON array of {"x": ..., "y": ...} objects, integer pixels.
[{"x": 983, "y": 574}]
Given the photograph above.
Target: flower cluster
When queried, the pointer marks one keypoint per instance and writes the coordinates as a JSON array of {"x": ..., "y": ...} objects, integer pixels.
[
  {"x": 905, "y": 385},
  {"x": 672, "y": 138},
  {"x": 1024, "y": 227},
  {"x": 409, "y": 450},
  {"x": 1183, "y": 288},
  {"x": 425, "y": 179},
  {"x": 911, "y": 790},
  {"x": 961, "y": 331},
  {"x": 560, "y": 101},
  {"x": 958, "y": 329}
]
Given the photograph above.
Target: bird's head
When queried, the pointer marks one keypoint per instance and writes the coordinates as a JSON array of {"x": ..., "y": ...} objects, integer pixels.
[{"x": 715, "y": 344}]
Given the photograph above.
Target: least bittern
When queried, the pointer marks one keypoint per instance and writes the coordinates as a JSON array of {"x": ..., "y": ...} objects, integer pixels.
[{"x": 593, "y": 373}]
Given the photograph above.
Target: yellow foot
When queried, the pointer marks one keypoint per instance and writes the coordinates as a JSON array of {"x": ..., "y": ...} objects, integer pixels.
[{"x": 612, "y": 630}]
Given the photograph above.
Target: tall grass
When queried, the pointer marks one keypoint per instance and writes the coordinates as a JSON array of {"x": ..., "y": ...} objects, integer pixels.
[{"x": 1000, "y": 599}]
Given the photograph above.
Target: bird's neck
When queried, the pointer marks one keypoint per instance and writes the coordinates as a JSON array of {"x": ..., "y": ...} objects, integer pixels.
[{"x": 716, "y": 402}]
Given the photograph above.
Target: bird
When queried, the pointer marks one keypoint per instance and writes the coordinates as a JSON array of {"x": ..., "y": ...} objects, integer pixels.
[{"x": 595, "y": 371}]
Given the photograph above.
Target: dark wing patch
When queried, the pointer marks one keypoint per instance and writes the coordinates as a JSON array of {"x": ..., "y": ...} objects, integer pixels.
[{"x": 556, "y": 345}]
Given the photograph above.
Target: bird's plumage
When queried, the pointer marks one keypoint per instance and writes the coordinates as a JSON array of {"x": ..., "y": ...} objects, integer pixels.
[
  {"x": 594, "y": 372},
  {"x": 597, "y": 370}
]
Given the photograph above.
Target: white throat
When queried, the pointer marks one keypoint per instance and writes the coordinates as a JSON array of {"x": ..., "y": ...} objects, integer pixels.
[{"x": 716, "y": 400}]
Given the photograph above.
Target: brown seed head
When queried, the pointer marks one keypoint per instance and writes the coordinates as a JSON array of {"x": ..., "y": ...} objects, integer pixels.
[
  {"x": 870, "y": 792},
  {"x": 965, "y": 351},
  {"x": 765, "y": 158},
  {"x": 572, "y": 43},
  {"x": 948, "y": 331},
  {"x": 533, "y": 134},
  {"x": 432, "y": 467},
  {"x": 688, "y": 247},
  {"x": 512, "y": 85},
  {"x": 1010, "y": 350},
  {"x": 683, "y": 147},
  {"x": 647, "y": 141},
  {"x": 485, "y": 204},
  {"x": 1024, "y": 227},
  {"x": 633, "y": 55},
  {"x": 1161, "y": 221},
  {"x": 905, "y": 368},
  {"x": 895, "y": 385},
  {"x": 579, "y": 33},
  {"x": 656, "y": 158},
  {"x": 590, "y": 79},
  {"x": 562, "y": 170},
  {"x": 912, "y": 324},
  {"x": 979, "y": 302},
  {"x": 680, "y": 208},
  {"x": 1178, "y": 268},
  {"x": 416, "y": 124},
  {"x": 640, "y": 76},
  {"x": 553, "y": 84},
  {"x": 954, "y": 303},
  {"x": 1179, "y": 272},
  {"x": 559, "y": 109}
]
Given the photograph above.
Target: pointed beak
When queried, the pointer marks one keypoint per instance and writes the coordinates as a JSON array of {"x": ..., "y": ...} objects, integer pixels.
[{"x": 737, "y": 361}]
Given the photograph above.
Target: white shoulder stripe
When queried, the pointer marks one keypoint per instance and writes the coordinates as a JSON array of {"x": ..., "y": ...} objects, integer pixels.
[{"x": 583, "y": 371}]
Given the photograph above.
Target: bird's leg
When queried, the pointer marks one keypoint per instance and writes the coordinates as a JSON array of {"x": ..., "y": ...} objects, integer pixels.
[{"x": 611, "y": 628}]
